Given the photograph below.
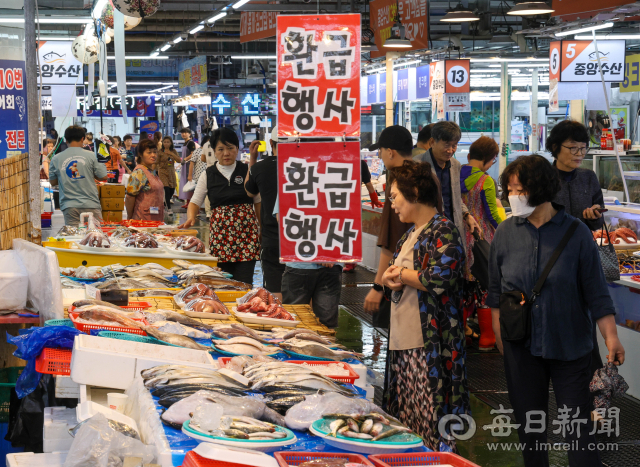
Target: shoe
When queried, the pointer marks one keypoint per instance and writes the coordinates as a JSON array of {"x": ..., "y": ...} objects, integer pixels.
[
  {"x": 487, "y": 338},
  {"x": 349, "y": 268},
  {"x": 185, "y": 206}
]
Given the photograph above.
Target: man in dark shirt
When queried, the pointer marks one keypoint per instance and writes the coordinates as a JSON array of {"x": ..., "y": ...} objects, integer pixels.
[
  {"x": 129, "y": 152},
  {"x": 262, "y": 179}
]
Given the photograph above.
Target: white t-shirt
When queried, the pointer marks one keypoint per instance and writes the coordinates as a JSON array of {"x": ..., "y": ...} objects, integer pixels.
[{"x": 200, "y": 193}]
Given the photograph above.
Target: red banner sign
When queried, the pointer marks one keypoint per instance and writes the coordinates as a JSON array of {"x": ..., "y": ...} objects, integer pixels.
[
  {"x": 319, "y": 75},
  {"x": 319, "y": 202},
  {"x": 256, "y": 25},
  {"x": 412, "y": 14}
]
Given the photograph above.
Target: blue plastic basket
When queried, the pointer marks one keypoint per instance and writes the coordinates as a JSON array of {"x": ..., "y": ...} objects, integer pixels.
[
  {"x": 59, "y": 322},
  {"x": 131, "y": 337}
]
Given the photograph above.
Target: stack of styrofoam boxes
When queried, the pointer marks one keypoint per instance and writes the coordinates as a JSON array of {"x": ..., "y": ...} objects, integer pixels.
[
  {"x": 29, "y": 459},
  {"x": 57, "y": 423},
  {"x": 361, "y": 382}
]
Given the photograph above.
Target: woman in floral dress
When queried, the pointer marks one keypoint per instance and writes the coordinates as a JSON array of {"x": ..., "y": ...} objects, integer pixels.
[
  {"x": 427, "y": 374},
  {"x": 234, "y": 234}
]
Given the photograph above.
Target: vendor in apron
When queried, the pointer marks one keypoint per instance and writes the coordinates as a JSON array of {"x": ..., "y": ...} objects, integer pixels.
[
  {"x": 234, "y": 235},
  {"x": 426, "y": 377},
  {"x": 145, "y": 190}
]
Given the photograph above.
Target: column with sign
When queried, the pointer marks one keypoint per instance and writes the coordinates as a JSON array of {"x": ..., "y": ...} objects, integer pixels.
[{"x": 319, "y": 97}]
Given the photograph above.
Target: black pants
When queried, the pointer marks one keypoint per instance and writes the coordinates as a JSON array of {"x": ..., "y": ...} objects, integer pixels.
[
  {"x": 272, "y": 269},
  {"x": 382, "y": 317},
  {"x": 528, "y": 384},
  {"x": 56, "y": 199},
  {"x": 168, "y": 194},
  {"x": 240, "y": 270},
  {"x": 320, "y": 286}
]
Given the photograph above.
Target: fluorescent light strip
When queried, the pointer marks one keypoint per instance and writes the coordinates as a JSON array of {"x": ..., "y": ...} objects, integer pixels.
[
  {"x": 587, "y": 29},
  {"x": 240, "y": 3},
  {"x": 177, "y": 40},
  {"x": 165, "y": 47},
  {"x": 217, "y": 17},
  {"x": 199, "y": 27},
  {"x": 50, "y": 20},
  {"x": 141, "y": 57},
  {"x": 495, "y": 60},
  {"x": 145, "y": 83},
  {"x": 254, "y": 57},
  {"x": 609, "y": 37},
  {"x": 46, "y": 38},
  {"x": 524, "y": 65}
]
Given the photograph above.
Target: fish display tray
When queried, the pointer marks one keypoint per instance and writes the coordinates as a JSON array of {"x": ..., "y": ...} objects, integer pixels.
[
  {"x": 96, "y": 249},
  {"x": 198, "y": 314},
  {"x": 420, "y": 459},
  {"x": 293, "y": 459},
  {"x": 351, "y": 378},
  {"x": 188, "y": 254},
  {"x": 255, "y": 319},
  {"x": 86, "y": 328},
  {"x": 135, "y": 306},
  {"x": 143, "y": 251},
  {"x": 307, "y": 357},
  {"x": 231, "y": 354},
  {"x": 54, "y": 362},
  {"x": 269, "y": 445}
]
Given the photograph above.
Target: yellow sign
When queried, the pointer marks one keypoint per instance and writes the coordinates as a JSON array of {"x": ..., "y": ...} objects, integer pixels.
[{"x": 631, "y": 81}]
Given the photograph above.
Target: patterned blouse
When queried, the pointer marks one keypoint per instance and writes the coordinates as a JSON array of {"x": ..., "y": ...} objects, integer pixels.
[
  {"x": 439, "y": 257},
  {"x": 138, "y": 182}
]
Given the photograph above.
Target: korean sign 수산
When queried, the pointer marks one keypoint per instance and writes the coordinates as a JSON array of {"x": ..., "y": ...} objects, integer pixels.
[
  {"x": 578, "y": 61},
  {"x": 13, "y": 109},
  {"x": 319, "y": 202},
  {"x": 318, "y": 75},
  {"x": 192, "y": 76},
  {"x": 57, "y": 63}
]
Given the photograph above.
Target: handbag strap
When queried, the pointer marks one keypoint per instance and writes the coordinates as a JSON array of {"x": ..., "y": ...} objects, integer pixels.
[{"x": 554, "y": 257}]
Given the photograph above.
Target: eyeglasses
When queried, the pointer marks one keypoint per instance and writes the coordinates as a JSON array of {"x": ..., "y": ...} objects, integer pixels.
[
  {"x": 392, "y": 199},
  {"x": 575, "y": 150}
]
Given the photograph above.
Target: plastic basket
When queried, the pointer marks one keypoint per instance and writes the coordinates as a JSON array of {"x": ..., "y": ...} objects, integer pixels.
[
  {"x": 59, "y": 322},
  {"x": 54, "y": 362},
  {"x": 307, "y": 357},
  {"x": 342, "y": 379},
  {"x": 133, "y": 337},
  {"x": 420, "y": 458},
  {"x": 194, "y": 460},
  {"x": 286, "y": 459},
  {"x": 139, "y": 223},
  {"x": 86, "y": 328},
  {"x": 8, "y": 378},
  {"x": 138, "y": 306}
]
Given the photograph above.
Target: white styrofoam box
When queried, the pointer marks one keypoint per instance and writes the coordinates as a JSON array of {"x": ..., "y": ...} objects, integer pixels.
[
  {"x": 71, "y": 295},
  {"x": 30, "y": 459},
  {"x": 95, "y": 394},
  {"x": 114, "y": 363},
  {"x": 370, "y": 391},
  {"x": 88, "y": 409},
  {"x": 57, "y": 423},
  {"x": 56, "y": 445},
  {"x": 361, "y": 369},
  {"x": 66, "y": 388},
  {"x": 14, "y": 281}
]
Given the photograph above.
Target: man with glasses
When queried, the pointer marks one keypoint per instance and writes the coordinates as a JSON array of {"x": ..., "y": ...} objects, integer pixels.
[{"x": 581, "y": 194}]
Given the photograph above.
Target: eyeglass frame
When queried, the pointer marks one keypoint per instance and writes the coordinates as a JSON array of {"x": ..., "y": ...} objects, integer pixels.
[{"x": 575, "y": 149}]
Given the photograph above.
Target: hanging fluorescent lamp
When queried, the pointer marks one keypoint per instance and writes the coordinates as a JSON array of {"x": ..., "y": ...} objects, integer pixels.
[
  {"x": 215, "y": 18},
  {"x": 397, "y": 38},
  {"x": 165, "y": 47},
  {"x": 237, "y": 5},
  {"x": 501, "y": 38},
  {"x": 585, "y": 29},
  {"x": 199, "y": 27},
  {"x": 460, "y": 14},
  {"x": 530, "y": 9}
]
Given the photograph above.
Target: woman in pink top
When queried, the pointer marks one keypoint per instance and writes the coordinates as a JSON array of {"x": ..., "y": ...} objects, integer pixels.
[{"x": 145, "y": 190}]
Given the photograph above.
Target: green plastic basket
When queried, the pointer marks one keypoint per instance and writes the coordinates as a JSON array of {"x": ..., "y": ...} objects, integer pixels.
[
  {"x": 131, "y": 337},
  {"x": 8, "y": 378},
  {"x": 59, "y": 322}
]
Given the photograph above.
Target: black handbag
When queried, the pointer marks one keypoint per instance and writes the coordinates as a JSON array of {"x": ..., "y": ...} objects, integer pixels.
[
  {"x": 608, "y": 257},
  {"x": 515, "y": 306},
  {"x": 480, "y": 266}
]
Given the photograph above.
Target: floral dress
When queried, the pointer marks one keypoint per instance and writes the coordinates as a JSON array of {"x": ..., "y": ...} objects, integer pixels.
[{"x": 426, "y": 383}]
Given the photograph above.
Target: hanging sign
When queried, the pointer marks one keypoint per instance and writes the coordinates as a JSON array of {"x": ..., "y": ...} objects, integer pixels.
[
  {"x": 457, "y": 76},
  {"x": 136, "y": 106},
  {"x": 412, "y": 14},
  {"x": 422, "y": 82},
  {"x": 319, "y": 75},
  {"x": 13, "y": 109},
  {"x": 402, "y": 85},
  {"x": 57, "y": 63},
  {"x": 457, "y": 102},
  {"x": 319, "y": 202},
  {"x": 382, "y": 87},
  {"x": 631, "y": 81},
  {"x": 436, "y": 78},
  {"x": 578, "y": 61},
  {"x": 256, "y": 25},
  {"x": 192, "y": 76},
  {"x": 372, "y": 89},
  {"x": 150, "y": 126}
]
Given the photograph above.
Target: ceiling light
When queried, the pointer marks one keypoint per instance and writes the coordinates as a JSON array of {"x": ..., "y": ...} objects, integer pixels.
[
  {"x": 397, "y": 37},
  {"x": 165, "y": 47},
  {"x": 498, "y": 60},
  {"x": 153, "y": 54},
  {"x": 50, "y": 20},
  {"x": 501, "y": 38},
  {"x": 215, "y": 18},
  {"x": 459, "y": 14},
  {"x": 177, "y": 40},
  {"x": 57, "y": 38},
  {"x": 530, "y": 9},
  {"x": 609, "y": 37},
  {"x": 239, "y": 4},
  {"x": 199, "y": 27},
  {"x": 368, "y": 47},
  {"x": 412, "y": 62},
  {"x": 585, "y": 29}
]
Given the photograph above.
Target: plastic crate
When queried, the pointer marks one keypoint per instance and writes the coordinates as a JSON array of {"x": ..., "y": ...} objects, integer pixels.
[
  {"x": 420, "y": 458},
  {"x": 139, "y": 223},
  {"x": 59, "y": 322},
  {"x": 194, "y": 460},
  {"x": 8, "y": 378},
  {"x": 139, "y": 306},
  {"x": 54, "y": 362},
  {"x": 86, "y": 328},
  {"x": 286, "y": 459},
  {"x": 134, "y": 338},
  {"x": 343, "y": 379}
]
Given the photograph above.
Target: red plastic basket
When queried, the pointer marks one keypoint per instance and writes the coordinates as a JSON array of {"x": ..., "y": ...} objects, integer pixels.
[
  {"x": 343, "y": 379},
  {"x": 139, "y": 306},
  {"x": 54, "y": 362},
  {"x": 138, "y": 223},
  {"x": 194, "y": 460},
  {"x": 86, "y": 328},
  {"x": 420, "y": 458},
  {"x": 286, "y": 459}
]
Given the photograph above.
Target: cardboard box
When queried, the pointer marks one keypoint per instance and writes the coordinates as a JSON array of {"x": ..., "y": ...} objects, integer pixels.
[
  {"x": 112, "y": 216},
  {"x": 112, "y": 190},
  {"x": 112, "y": 204}
]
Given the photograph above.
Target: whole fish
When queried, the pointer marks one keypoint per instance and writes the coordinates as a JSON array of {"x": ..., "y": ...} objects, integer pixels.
[
  {"x": 312, "y": 338},
  {"x": 176, "y": 339},
  {"x": 240, "y": 349},
  {"x": 268, "y": 435},
  {"x": 285, "y": 403},
  {"x": 316, "y": 350},
  {"x": 152, "y": 293},
  {"x": 89, "y": 301},
  {"x": 251, "y": 332},
  {"x": 160, "y": 369},
  {"x": 193, "y": 388},
  {"x": 229, "y": 433},
  {"x": 128, "y": 284},
  {"x": 251, "y": 428},
  {"x": 294, "y": 332},
  {"x": 376, "y": 429},
  {"x": 391, "y": 432},
  {"x": 353, "y": 425},
  {"x": 169, "y": 315},
  {"x": 366, "y": 426},
  {"x": 353, "y": 434},
  {"x": 248, "y": 341},
  {"x": 218, "y": 283},
  {"x": 94, "y": 314},
  {"x": 312, "y": 381},
  {"x": 335, "y": 425}
]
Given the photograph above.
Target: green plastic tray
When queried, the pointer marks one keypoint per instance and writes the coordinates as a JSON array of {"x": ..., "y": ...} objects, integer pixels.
[{"x": 59, "y": 322}]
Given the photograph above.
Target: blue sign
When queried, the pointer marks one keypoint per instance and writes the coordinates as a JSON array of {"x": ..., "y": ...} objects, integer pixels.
[
  {"x": 192, "y": 76},
  {"x": 221, "y": 103},
  {"x": 150, "y": 126},
  {"x": 422, "y": 82},
  {"x": 251, "y": 104},
  {"x": 402, "y": 85},
  {"x": 136, "y": 107},
  {"x": 13, "y": 109},
  {"x": 382, "y": 87},
  {"x": 372, "y": 89}
]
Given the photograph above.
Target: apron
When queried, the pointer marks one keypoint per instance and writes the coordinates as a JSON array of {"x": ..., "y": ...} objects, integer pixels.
[
  {"x": 234, "y": 234},
  {"x": 405, "y": 330},
  {"x": 151, "y": 198}
]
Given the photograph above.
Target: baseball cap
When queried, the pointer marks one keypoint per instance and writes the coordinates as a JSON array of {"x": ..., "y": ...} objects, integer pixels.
[
  {"x": 280, "y": 139},
  {"x": 394, "y": 137}
]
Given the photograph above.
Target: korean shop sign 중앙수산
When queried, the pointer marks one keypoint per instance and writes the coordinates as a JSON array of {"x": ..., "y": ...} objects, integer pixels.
[{"x": 571, "y": 61}]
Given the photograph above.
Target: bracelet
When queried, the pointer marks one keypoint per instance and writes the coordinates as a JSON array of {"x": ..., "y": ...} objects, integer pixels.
[{"x": 401, "y": 281}]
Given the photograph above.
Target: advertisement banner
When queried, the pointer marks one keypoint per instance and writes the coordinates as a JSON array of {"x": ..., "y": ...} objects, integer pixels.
[
  {"x": 436, "y": 78},
  {"x": 412, "y": 13},
  {"x": 58, "y": 64},
  {"x": 319, "y": 202},
  {"x": 192, "y": 76},
  {"x": 372, "y": 89},
  {"x": 136, "y": 106},
  {"x": 422, "y": 82},
  {"x": 318, "y": 75},
  {"x": 256, "y": 25},
  {"x": 578, "y": 61},
  {"x": 631, "y": 81},
  {"x": 382, "y": 87},
  {"x": 13, "y": 109},
  {"x": 150, "y": 126},
  {"x": 402, "y": 85}
]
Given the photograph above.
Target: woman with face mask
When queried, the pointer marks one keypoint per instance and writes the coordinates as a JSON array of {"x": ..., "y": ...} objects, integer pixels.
[{"x": 547, "y": 335}]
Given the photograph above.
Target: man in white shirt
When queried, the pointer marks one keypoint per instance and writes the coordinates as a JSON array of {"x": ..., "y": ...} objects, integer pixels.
[{"x": 209, "y": 157}]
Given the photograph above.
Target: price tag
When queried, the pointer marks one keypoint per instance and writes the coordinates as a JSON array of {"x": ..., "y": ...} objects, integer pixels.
[
  {"x": 92, "y": 292},
  {"x": 154, "y": 210}
]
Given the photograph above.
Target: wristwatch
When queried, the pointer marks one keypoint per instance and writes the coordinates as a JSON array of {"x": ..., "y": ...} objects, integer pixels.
[{"x": 377, "y": 287}]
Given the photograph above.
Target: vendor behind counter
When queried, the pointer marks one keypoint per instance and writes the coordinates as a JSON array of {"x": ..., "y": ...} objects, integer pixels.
[{"x": 145, "y": 190}]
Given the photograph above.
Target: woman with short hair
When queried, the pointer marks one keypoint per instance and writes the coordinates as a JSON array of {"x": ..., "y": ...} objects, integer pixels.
[
  {"x": 167, "y": 157},
  {"x": 427, "y": 376},
  {"x": 145, "y": 190}
]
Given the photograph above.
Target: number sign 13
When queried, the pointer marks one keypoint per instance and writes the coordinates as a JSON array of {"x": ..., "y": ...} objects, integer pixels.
[{"x": 457, "y": 72}]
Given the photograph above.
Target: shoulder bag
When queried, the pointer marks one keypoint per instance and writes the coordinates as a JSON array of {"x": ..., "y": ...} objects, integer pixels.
[
  {"x": 515, "y": 306},
  {"x": 608, "y": 256}
]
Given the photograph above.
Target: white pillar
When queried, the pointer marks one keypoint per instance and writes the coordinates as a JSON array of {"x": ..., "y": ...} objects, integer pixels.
[
  {"x": 533, "y": 139},
  {"x": 505, "y": 116}
]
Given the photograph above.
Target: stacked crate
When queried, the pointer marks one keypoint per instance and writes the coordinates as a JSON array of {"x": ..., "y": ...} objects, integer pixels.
[{"x": 112, "y": 202}]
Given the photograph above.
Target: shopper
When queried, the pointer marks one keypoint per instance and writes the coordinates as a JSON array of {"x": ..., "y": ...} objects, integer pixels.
[
  {"x": 558, "y": 346},
  {"x": 197, "y": 167},
  {"x": 427, "y": 377},
  {"x": 187, "y": 149},
  {"x": 59, "y": 144},
  {"x": 143, "y": 136},
  {"x": 145, "y": 191},
  {"x": 88, "y": 142},
  {"x": 45, "y": 158},
  {"x": 115, "y": 160},
  {"x": 365, "y": 176},
  {"x": 420, "y": 152},
  {"x": 262, "y": 180},
  {"x": 117, "y": 145},
  {"x": 74, "y": 171},
  {"x": 234, "y": 234},
  {"x": 208, "y": 156},
  {"x": 167, "y": 157},
  {"x": 157, "y": 138},
  {"x": 129, "y": 152}
]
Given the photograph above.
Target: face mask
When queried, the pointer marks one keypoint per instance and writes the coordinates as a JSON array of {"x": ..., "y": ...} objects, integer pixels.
[{"x": 520, "y": 205}]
